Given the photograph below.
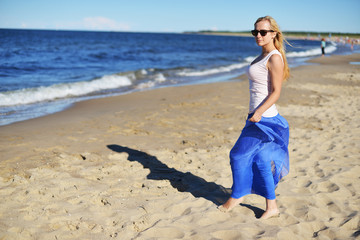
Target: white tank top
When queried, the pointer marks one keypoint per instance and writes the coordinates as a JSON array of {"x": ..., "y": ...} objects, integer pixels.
[{"x": 260, "y": 85}]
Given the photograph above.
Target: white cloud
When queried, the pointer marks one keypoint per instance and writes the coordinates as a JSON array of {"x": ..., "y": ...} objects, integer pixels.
[{"x": 103, "y": 23}]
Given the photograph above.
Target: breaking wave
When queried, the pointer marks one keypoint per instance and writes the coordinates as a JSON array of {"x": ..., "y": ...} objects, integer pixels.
[{"x": 64, "y": 90}]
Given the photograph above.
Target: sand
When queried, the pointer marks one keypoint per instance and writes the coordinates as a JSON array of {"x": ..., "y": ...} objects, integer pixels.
[{"x": 154, "y": 165}]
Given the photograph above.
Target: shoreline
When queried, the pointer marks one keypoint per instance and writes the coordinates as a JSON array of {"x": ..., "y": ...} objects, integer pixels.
[
  {"x": 346, "y": 38},
  {"x": 103, "y": 167}
]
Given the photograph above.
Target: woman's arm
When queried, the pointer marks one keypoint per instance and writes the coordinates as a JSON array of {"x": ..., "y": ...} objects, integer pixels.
[{"x": 276, "y": 71}]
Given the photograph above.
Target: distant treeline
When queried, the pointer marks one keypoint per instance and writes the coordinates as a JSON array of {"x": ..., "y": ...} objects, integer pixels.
[
  {"x": 322, "y": 34},
  {"x": 289, "y": 33}
]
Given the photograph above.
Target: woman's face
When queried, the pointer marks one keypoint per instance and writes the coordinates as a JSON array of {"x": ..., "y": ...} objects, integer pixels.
[{"x": 268, "y": 38}]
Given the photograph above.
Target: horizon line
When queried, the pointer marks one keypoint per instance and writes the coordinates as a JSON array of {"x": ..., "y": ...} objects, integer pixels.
[{"x": 181, "y": 32}]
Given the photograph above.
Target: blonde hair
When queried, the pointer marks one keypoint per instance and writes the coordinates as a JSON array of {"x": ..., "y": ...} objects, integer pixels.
[{"x": 278, "y": 42}]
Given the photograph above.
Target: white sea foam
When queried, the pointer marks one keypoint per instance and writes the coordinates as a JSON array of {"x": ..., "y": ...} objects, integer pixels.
[
  {"x": 145, "y": 85},
  {"x": 308, "y": 53},
  {"x": 250, "y": 59},
  {"x": 160, "y": 78},
  {"x": 212, "y": 71},
  {"x": 33, "y": 95},
  {"x": 312, "y": 52}
]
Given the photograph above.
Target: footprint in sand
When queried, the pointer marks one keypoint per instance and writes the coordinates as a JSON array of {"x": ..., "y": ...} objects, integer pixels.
[
  {"x": 245, "y": 233},
  {"x": 333, "y": 207},
  {"x": 328, "y": 187},
  {"x": 301, "y": 172},
  {"x": 212, "y": 218},
  {"x": 163, "y": 232},
  {"x": 351, "y": 223},
  {"x": 303, "y": 186},
  {"x": 318, "y": 171},
  {"x": 301, "y": 211},
  {"x": 351, "y": 189}
]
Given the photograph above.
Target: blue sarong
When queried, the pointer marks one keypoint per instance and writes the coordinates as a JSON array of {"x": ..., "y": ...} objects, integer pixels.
[{"x": 260, "y": 157}]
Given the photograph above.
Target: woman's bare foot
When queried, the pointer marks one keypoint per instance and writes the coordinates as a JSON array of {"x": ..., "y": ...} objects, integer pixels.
[
  {"x": 230, "y": 204},
  {"x": 271, "y": 209},
  {"x": 270, "y": 214}
]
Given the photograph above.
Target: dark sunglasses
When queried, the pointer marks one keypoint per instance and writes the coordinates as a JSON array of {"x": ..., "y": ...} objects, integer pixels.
[{"x": 262, "y": 32}]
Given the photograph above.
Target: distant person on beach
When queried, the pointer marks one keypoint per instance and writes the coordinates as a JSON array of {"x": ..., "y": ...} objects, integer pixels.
[
  {"x": 323, "y": 45},
  {"x": 259, "y": 158}
]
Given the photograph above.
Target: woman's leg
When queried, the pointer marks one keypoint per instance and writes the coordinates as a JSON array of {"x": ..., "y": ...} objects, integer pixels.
[
  {"x": 271, "y": 209},
  {"x": 264, "y": 169},
  {"x": 242, "y": 181},
  {"x": 241, "y": 160}
]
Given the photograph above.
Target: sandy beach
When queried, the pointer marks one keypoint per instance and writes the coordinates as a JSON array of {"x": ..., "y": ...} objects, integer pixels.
[{"x": 155, "y": 165}]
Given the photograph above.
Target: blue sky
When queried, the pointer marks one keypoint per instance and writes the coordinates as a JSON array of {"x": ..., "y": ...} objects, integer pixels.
[{"x": 179, "y": 15}]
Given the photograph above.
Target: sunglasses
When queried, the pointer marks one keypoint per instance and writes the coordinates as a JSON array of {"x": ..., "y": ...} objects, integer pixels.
[{"x": 262, "y": 32}]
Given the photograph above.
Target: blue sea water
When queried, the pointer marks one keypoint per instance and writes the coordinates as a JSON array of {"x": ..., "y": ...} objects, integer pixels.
[{"x": 42, "y": 72}]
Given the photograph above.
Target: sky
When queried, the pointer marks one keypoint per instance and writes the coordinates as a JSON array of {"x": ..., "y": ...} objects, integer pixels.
[{"x": 180, "y": 15}]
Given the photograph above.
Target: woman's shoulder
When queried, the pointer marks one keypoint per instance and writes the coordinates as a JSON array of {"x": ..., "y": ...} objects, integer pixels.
[
  {"x": 275, "y": 61},
  {"x": 275, "y": 56},
  {"x": 275, "y": 52}
]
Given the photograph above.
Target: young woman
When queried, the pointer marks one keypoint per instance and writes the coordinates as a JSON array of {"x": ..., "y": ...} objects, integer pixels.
[{"x": 260, "y": 156}]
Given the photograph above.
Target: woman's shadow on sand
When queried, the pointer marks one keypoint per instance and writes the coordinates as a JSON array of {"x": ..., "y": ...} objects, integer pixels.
[{"x": 183, "y": 182}]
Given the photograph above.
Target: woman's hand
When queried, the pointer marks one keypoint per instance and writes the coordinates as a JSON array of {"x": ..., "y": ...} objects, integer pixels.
[{"x": 256, "y": 117}]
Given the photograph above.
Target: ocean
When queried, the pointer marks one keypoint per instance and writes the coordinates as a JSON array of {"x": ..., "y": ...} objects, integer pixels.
[{"x": 43, "y": 71}]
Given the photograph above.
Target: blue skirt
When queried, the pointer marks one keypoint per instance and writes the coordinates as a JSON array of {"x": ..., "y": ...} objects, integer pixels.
[{"x": 260, "y": 157}]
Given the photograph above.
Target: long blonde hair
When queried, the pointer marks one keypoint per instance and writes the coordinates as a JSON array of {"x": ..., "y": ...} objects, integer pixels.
[{"x": 278, "y": 42}]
